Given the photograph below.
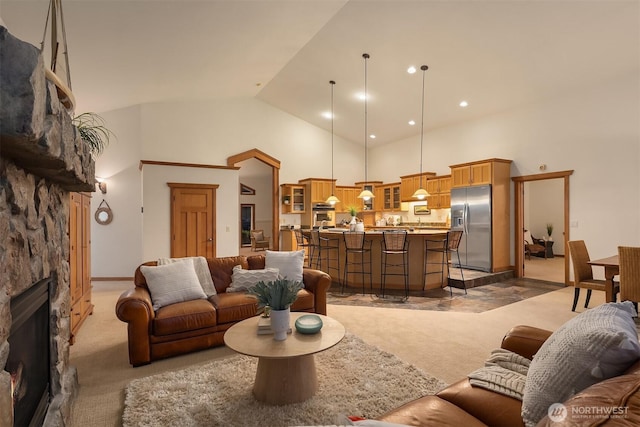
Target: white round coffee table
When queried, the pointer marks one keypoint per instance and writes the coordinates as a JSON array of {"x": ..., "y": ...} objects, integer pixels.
[{"x": 286, "y": 370}]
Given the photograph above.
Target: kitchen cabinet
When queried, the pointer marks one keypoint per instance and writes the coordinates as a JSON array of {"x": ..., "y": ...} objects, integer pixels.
[
  {"x": 372, "y": 204},
  {"x": 348, "y": 197},
  {"x": 410, "y": 183},
  {"x": 79, "y": 260},
  {"x": 319, "y": 189},
  {"x": 293, "y": 198},
  {"x": 389, "y": 194},
  {"x": 439, "y": 189},
  {"x": 476, "y": 173}
]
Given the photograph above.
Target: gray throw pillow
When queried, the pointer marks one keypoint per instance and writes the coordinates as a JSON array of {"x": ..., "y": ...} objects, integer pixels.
[
  {"x": 290, "y": 263},
  {"x": 241, "y": 280},
  {"x": 598, "y": 344},
  {"x": 172, "y": 283}
]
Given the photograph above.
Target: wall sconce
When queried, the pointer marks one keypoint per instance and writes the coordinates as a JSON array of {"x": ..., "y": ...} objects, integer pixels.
[{"x": 102, "y": 185}]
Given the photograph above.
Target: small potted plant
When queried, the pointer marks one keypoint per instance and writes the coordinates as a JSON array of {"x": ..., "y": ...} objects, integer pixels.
[
  {"x": 93, "y": 131},
  {"x": 353, "y": 212},
  {"x": 549, "y": 231},
  {"x": 278, "y": 295}
]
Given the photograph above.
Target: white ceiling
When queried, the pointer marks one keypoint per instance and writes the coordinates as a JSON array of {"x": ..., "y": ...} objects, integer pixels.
[{"x": 494, "y": 54}]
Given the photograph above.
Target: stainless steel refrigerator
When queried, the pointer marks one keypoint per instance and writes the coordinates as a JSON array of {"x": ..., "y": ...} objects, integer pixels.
[{"x": 471, "y": 213}]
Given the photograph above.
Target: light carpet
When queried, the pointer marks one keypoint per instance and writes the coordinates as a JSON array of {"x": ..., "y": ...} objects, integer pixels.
[{"x": 354, "y": 378}]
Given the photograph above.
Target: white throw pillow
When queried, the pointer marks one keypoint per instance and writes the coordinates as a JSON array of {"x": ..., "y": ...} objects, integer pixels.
[
  {"x": 599, "y": 343},
  {"x": 289, "y": 263},
  {"x": 202, "y": 271},
  {"x": 172, "y": 283},
  {"x": 241, "y": 279}
]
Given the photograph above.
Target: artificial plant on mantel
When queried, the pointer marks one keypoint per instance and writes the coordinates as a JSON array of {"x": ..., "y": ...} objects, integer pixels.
[{"x": 93, "y": 131}]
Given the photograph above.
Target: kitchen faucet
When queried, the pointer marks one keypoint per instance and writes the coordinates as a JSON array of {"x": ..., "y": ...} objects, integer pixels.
[{"x": 323, "y": 224}]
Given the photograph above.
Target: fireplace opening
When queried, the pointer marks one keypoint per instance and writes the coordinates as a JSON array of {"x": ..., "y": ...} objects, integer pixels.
[{"x": 29, "y": 355}]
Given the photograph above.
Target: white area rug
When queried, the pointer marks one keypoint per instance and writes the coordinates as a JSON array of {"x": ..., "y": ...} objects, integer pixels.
[{"x": 354, "y": 379}]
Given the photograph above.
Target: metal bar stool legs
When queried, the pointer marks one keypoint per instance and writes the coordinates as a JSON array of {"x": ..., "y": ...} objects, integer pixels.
[
  {"x": 395, "y": 255},
  {"x": 357, "y": 257}
]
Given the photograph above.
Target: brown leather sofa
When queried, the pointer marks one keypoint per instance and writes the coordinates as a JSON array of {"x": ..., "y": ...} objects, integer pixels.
[
  {"x": 195, "y": 325},
  {"x": 460, "y": 404}
]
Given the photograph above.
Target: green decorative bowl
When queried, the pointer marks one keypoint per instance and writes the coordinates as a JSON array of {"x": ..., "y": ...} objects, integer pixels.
[{"x": 308, "y": 324}]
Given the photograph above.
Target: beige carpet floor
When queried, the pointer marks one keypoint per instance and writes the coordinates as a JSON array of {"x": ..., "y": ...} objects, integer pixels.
[{"x": 448, "y": 345}]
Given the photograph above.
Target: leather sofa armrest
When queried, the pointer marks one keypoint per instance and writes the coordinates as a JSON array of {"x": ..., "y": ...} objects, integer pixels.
[
  {"x": 525, "y": 340},
  {"x": 318, "y": 283},
  {"x": 135, "y": 308}
]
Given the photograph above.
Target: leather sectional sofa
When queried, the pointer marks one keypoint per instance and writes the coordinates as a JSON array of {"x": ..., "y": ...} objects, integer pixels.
[
  {"x": 198, "y": 324},
  {"x": 461, "y": 404}
]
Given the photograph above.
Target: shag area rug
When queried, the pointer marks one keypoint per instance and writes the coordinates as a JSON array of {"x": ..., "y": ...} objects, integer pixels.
[{"x": 354, "y": 378}]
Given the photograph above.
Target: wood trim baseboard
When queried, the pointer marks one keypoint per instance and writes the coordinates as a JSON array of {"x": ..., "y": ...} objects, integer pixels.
[{"x": 111, "y": 279}]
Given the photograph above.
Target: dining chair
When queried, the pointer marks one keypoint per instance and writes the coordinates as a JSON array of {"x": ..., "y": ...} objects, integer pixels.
[
  {"x": 583, "y": 273},
  {"x": 629, "y": 274}
]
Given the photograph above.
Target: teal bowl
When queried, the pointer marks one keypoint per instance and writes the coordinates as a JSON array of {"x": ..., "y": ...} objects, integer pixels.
[{"x": 308, "y": 324}]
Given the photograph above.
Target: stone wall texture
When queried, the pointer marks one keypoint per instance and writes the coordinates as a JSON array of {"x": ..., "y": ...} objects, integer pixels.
[{"x": 42, "y": 159}]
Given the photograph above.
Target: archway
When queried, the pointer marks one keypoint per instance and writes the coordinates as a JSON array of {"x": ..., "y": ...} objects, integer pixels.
[
  {"x": 275, "y": 186},
  {"x": 519, "y": 217}
]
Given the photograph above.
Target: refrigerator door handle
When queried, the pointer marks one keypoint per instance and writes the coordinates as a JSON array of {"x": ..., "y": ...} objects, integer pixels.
[{"x": 465, "y": 218}]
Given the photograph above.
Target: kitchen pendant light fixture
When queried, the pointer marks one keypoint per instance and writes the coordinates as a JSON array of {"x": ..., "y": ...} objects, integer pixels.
[
  {"x": 332, "y": 200},
  {"x": 421, "y": 193},
  {"x": 365, "y": 195}
]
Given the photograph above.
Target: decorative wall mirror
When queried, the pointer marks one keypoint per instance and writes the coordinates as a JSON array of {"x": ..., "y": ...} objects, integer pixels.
[{"x": 104, "y": 215}]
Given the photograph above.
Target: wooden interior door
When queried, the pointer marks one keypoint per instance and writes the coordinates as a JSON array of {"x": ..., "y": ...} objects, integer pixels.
[{"x": 193, "y": 230}]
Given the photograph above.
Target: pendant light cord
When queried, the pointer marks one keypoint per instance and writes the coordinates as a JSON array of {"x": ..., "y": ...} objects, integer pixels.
[
  {"x": 332, "y": 181},
  {"x": 424, "y": 68},
  {"x": 365, "y": 56}
]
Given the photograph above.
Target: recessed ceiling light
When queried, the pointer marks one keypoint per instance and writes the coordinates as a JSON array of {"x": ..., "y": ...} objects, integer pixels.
[
  {"x": 327, "y": 114},
  {"x": 412, "y": 122},
  {"x": 464, "y": 104},
  {"x": 372, "y": 136},
  {"x": 411, "y": 70}
]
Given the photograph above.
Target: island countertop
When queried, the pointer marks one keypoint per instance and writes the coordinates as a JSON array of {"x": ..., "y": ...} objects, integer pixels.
[{"x": 417, "y": 256}]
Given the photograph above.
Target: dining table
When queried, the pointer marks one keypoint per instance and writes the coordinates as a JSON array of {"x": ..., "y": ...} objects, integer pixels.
[{"x": 611, "y": 266}]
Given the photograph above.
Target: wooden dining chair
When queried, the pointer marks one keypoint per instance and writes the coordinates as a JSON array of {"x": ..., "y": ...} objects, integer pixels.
[
  {"x": 629, "y": 274},
  {"x": 583, "y": 273}
]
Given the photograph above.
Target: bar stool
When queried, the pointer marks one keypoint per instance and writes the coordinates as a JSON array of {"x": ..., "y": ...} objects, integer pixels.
[
  {"x": 323, "y": 252},
  {"x": 302, "y": 242},
  {"x": 444, "y": 247},
  {"x": 395, "y": 254},
  {"x": 357, "y": 255}
]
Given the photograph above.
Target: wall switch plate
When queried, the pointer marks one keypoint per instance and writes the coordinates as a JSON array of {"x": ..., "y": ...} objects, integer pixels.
[{"x": 573, "y": 223}]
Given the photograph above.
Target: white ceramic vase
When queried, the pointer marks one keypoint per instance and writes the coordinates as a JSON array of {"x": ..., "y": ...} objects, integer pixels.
[
  {"x": 280, "y": 323},
  {"x": 353, "y": 223}
]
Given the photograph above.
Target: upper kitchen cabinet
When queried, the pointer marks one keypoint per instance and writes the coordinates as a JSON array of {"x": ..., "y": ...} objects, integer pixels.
[
  {"x": 388, "y": 196},
  {"x": 371, "y": 204},
  {"x": 410, "y": 183},
  {"x": 439, "y": 189},
  {"x": 481, "y": 172},
  {"x": 348, "y": 197},
  {"x": 319, "y": 188},
  {"x": 293, "y": 198}
]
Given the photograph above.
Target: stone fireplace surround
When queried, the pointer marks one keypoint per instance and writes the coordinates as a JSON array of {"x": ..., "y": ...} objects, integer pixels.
[{"x": 42, "y": 159}]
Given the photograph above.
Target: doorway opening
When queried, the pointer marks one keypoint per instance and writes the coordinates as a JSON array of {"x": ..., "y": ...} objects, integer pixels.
[
  {"x": 520, "y": 200},
  {"x": 274, "y": 164},
  {"x": 247, "y": 223}
]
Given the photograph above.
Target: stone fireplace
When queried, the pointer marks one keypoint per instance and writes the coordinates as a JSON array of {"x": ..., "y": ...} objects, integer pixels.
[{"x": 42, "y": 159}]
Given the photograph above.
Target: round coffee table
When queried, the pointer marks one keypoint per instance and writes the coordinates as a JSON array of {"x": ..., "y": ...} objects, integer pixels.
[{"x": 286, "y": 370}]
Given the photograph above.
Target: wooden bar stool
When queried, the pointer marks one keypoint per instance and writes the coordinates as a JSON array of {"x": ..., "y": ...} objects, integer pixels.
[
  {"x": 445, "y": 247},
  {"x": 357, "y": 257},
  {"x": 302, "y": 242},
  {"x": 395, "y": 255}
]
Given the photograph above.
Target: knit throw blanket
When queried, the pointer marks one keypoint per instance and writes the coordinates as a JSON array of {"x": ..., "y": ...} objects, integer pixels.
[{"x": 504, "y": 372}]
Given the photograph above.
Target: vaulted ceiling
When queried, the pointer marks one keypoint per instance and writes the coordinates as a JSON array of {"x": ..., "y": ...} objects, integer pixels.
[{"x": 494, "y": 54}]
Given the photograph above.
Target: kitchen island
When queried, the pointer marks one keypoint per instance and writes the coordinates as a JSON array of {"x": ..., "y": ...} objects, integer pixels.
[{"x": 395, "y": 284}]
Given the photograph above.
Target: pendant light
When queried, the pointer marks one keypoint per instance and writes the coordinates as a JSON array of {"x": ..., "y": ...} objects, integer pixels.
[
  {"x": 366, "y": 195},
  {"x": 421, "y": 193},
  {"x": 332, "y": 200}
]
